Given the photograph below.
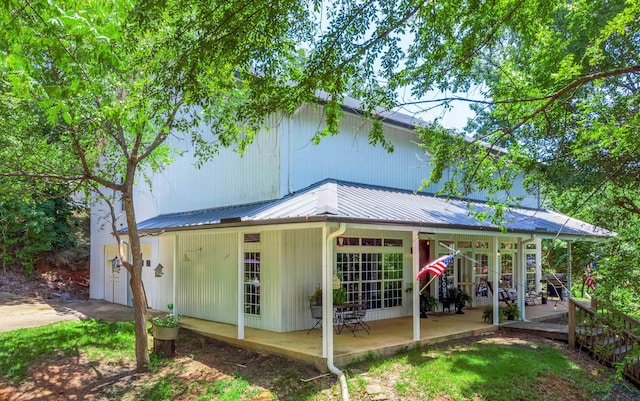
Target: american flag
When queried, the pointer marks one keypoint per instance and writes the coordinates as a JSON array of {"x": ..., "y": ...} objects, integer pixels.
[
  {"x": 436, "y": 267},
  {"x": 588, "y": 278}
]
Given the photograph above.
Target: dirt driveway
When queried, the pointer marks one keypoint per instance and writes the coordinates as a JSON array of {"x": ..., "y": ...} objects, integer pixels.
[{"x": 20, "y": 312}]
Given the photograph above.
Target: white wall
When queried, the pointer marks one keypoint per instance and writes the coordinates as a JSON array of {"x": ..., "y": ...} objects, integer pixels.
[{"x": 349, "y": 157}]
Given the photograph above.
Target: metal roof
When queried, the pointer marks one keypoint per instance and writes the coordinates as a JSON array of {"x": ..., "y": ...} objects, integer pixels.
[{"x": 340, "y": 201}]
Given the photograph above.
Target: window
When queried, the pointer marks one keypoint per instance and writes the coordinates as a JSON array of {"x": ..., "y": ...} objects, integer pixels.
[
  {"x": 482, "y": 275},
  {"x": 347, "y": 241},
  {"x": 372, "y": 242},
  {"x": 248, "y": 238},
  {"x": 392, "y": 242},
  {"x": 531, "y": 259},
  {"x": 374, "y": 277},
  {"x": 252, "y": 283},
  {"x": 506, "y": 263}
]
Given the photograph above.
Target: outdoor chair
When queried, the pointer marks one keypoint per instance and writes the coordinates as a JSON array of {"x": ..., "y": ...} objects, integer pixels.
[
  {"x": 353, "y": 318},
  {"x": 506, "y": 297},
  {"x": 531, "y": 298}
]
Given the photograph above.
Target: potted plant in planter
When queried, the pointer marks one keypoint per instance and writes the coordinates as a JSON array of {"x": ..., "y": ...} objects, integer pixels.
[
  {"x": 460, "y": 299},
  {"x": 166, "y": 327},
  {"x": 315, "y": 299},
  {"x": 427, "y": 303},
  {"x": 511, "y": 312},
  {"x": 339, "y": 297}
]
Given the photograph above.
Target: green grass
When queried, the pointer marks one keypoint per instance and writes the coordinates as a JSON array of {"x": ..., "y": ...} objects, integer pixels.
[
  {"x": 114, "y": 344},
  {"x": 483, "y": 371},
  {"x": 96, "y": 339},
  {"x": 461, "y": 371}
]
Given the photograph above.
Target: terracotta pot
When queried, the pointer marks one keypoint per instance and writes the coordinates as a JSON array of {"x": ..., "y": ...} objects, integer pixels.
[{"x": 165, "y": 333}]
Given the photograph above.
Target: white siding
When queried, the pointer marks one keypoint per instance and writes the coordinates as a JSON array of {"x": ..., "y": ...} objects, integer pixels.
[
  {"x": 162, "y": 287},
  {"x": 227, "y": 179},
  {"x": 349, "y": 157},
  {"x": 302, "y": 274},
  {"x": 206, "y": 285}
]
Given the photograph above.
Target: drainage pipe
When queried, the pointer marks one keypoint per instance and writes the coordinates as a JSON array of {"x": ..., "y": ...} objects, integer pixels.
[{"x": 327, "y": 279}]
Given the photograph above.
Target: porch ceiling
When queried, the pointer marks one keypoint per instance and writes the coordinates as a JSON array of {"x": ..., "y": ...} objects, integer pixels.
[{"x": 340, "y": 201}]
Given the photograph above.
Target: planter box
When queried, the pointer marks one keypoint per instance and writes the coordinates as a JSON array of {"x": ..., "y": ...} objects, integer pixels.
[{"x": 165, "y": 333}]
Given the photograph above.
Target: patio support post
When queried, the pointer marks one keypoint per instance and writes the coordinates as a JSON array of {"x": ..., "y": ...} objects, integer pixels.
[
  {"x": 240, "y": 240},
  {"x": 327, "y": 329},
  {"x": 496, "y": 281},
  {"x": 328, "y": 263},
  {"x": 522, "y": 277},
  {"x": 175, "y": 274},
  {"x": 569, "y": 278},
  {"x": 416, "y": 285}
]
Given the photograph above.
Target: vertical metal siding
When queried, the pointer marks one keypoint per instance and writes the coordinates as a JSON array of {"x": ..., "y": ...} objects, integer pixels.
[
  {"x": 206, "y": 285},
  {"x": 163, "y": 286},
  {"x": 349, "y": 156},
  {"x": 227, "y": 179},
  {"x": 302, "y": 274}
]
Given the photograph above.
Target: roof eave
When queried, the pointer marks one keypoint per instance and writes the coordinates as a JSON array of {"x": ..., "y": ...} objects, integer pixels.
[{"x": 415, "y": 225}]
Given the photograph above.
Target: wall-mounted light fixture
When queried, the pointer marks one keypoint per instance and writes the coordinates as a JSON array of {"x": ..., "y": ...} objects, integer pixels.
[
  {"x": 116, "y": 264},
  {"x": 186, "y": 258}
]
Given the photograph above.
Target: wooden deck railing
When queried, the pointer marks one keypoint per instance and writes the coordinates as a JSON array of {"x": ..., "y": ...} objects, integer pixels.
[{"x": 609, "y": 335}]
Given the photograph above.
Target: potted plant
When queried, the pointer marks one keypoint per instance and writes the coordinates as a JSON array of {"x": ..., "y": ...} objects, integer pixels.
[
  {"x": 339, "y": 297},
  {"x": 487, "y": 314},
  {"x": 511, "y": 312},
  {"x": 427, "y": 303},
  {"x": 315, "y": 299},
  {"x": 166, "y": 327},
  {"x": 460, "y": 299}
]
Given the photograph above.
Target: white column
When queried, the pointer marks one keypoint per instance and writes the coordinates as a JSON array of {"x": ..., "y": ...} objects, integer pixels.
[
  {"x": 416, "y": 285},
  {"x": 522, "y": 277},
  {"x": 569, "y": 261},
  {"x": 175, "y": 275},
  {"x": 327, "y": 313},
  {"x": 496, "y": 281},
  {"x": 240, "y": 239}
]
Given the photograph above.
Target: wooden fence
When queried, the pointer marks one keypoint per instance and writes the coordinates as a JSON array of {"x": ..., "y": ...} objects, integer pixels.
[{"x": 610, "y": 336}]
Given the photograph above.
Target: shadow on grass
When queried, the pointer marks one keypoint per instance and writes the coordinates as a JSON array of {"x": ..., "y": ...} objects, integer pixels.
[
  {"x": 21, "y": 348},
  {"x": 523, "y": 370}
]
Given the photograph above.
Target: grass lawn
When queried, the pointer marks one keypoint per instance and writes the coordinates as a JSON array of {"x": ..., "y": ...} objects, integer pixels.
[{"x": 75, "y": 359}]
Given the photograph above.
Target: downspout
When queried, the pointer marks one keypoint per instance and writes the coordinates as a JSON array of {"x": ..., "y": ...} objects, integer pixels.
[{"x": 327, "y": 302}]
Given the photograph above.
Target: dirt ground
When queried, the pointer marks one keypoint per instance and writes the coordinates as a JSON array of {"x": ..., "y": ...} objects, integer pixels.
[
  {"x": 47, "y": 283},
  {"x": 201, "y": 359}
]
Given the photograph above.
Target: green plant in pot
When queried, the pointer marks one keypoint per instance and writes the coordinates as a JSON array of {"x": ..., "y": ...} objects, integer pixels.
[
  {"x": 427, "y": 303},
  {"x": 315, "y": 299},
  {"x": 166, "y": 327},
  {"x": 339, "y": 297},
  {"x": 460, "y": 299},
  {"x": 511, "y": 312}
]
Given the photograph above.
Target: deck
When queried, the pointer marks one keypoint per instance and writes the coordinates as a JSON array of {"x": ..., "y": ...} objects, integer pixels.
[{"x": 387, "y": 337}]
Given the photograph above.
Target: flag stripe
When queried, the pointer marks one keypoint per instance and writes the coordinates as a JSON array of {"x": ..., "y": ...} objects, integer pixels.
[
  {"x": 588, "y": 278},
  {"x": 436, "y": 267}
]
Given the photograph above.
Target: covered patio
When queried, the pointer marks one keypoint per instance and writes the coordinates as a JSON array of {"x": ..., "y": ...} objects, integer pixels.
[{"x": 387, "y": 337}]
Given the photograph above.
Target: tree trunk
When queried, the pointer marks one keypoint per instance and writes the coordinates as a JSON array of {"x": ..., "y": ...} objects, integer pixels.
[
  {"x": 135, "y": 268},
  {"x": 140, "y": 319}
]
